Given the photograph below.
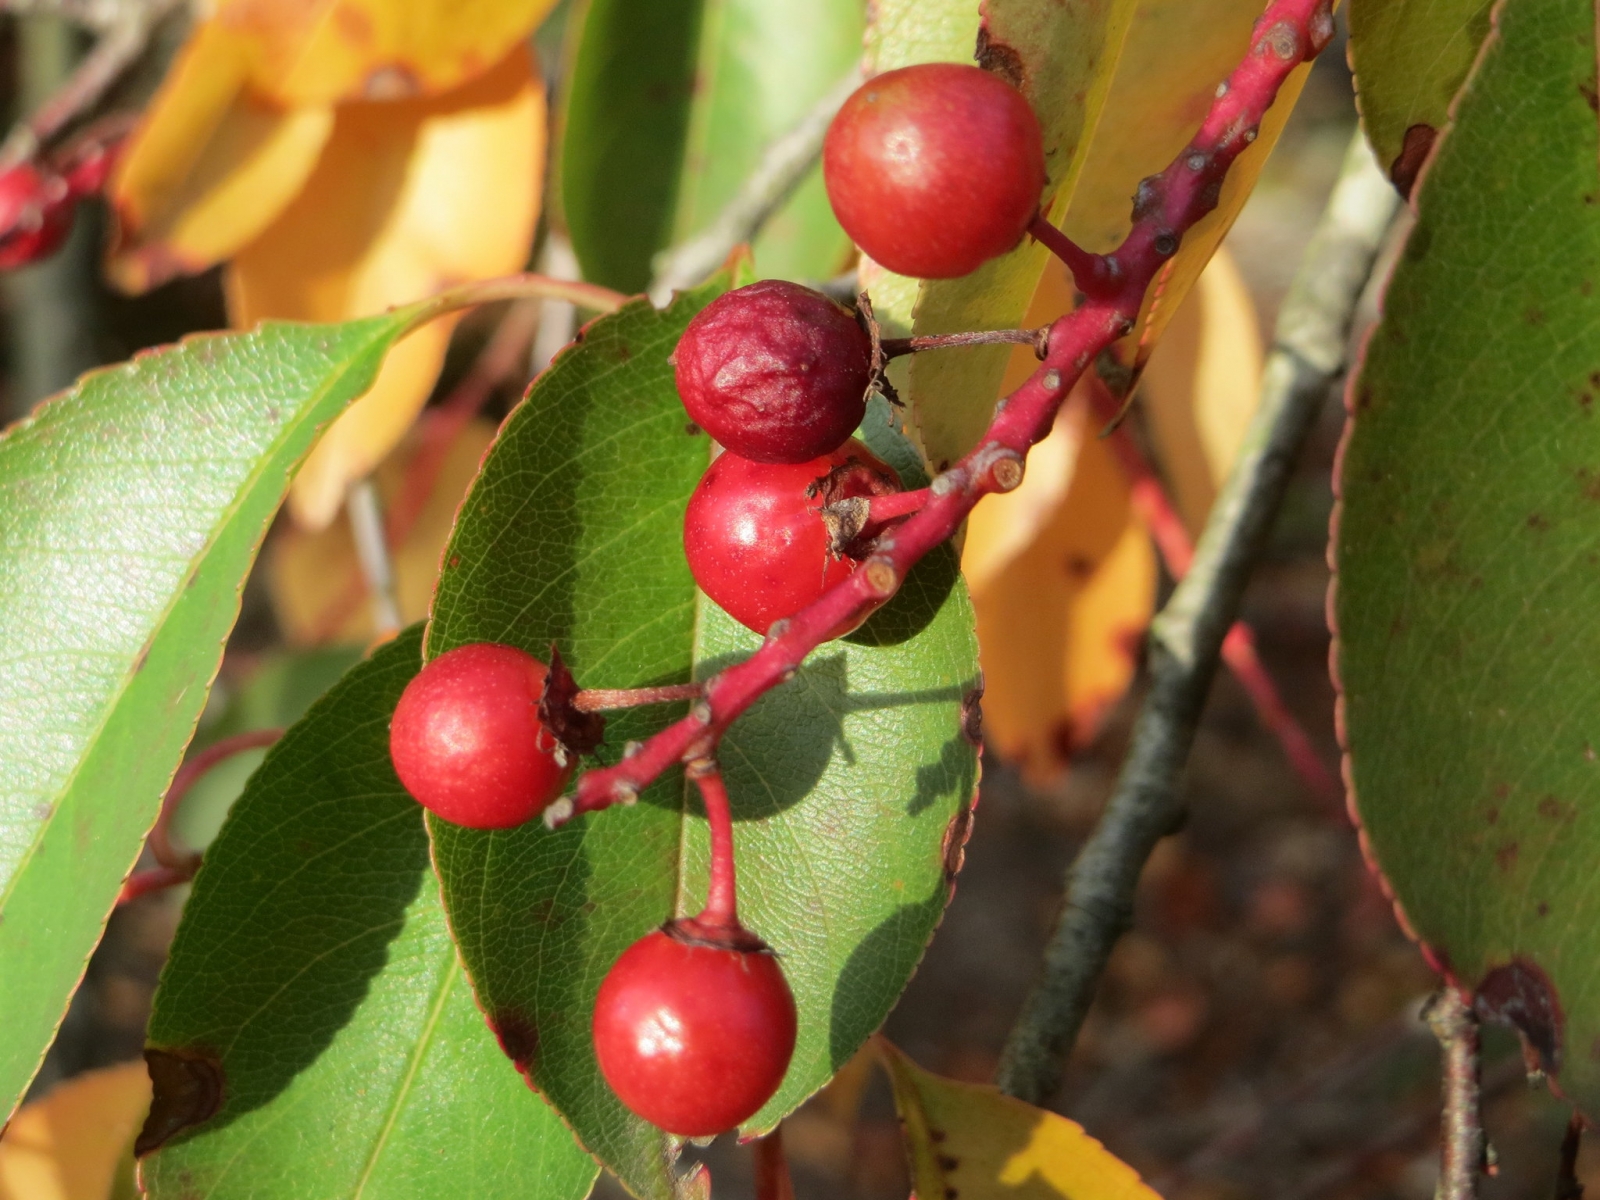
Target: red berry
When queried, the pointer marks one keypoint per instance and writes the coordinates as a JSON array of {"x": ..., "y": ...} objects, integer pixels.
[
  {"x": 693, "y": 1034},
  {"x": 36, "y": 208},
  {"x": 934, "y": 169},
  {"x": 468, "y": 743},
  {"x": 775, "y": 372},
  {"x": 754, "y": 534}
]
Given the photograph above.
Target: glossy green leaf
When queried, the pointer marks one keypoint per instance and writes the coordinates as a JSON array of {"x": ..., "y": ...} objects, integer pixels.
[
  {"x": 671, "y": 103},
  {"x": 850, "y": 783},
  {"x": 1468, "y": 547},
  {"x": 1119, "y": 86},
  {"x": 314, "y": 990},
  {"x": 1409, "y": 58},
  {"x": 131, "y": 508}
]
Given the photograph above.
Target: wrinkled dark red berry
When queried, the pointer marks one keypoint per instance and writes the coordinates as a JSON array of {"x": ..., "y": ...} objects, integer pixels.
[
  {"x": 36, "y": 209},
  {"x": 775, "y": 372},
  {"x": 467, "y": 742},
  {"x": 754, "y": 534},
  {"x": 934, "y": 169},
  {"x": 692, "y": 1035}
]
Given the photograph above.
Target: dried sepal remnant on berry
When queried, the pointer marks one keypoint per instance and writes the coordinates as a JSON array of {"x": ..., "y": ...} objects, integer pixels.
[
  {"x": 755, "y": 534},
  {"x": 467, "y": 740},
  {"x": 775, "y": 372},
  {"x": 934, "y": 169}
]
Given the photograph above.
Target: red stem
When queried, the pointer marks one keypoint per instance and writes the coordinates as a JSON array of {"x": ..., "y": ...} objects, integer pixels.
[
  {"x": 605, "y": 699},
  {"x": 1088, "y": 270},
  {"x": 1160, "y": 517},
  {"x": 722, "y": 900},
  {"x": 772, "y": 1168},
  {"x": 883, "y": 509},
  {"x": 156, "y": 879},
  {"x": 1289, "y": 32},
  {"x": 162, "y": 848}
]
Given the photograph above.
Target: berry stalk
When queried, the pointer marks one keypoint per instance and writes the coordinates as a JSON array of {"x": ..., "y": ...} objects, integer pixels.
[
  {"x": 722, "y": 900},
  {"x": 1166, "y": 206}
]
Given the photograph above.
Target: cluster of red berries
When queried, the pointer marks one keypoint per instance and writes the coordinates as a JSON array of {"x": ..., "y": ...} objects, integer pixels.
[{"x": 932, "y": 170}]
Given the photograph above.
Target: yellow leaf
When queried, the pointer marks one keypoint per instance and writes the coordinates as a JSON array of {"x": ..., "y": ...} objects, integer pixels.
[
  {"x": 315, "y": 583},
  {"x": 410, "y": 197},
  {"x": 71, "y": 1144},
  {"x": 1199, "y": 391},
  {"x": 320, "y": 51},
  {"x": 1062, "y": 577},
  {"x": 967, "y": 1140},
  {"x": 210, "y": 166}
]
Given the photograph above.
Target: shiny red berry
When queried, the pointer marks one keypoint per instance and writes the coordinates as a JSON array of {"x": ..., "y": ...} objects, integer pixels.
[
  {"x": 692, "y": 1034},
  {"x": 468, "y": 743},
  {"x": 754, "y": 534},
  {"x": 36, "y": 209},
  {"x": 934, "y": 169},
  {"x": 775, "y": 372}
]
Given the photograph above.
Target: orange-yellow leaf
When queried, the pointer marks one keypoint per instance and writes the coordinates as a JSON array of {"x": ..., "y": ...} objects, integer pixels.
[
  {"x": 968, "y": 1140},
  {"x": 1200, "y": 388},
  {"x": 210, "y": 166},
  {"x": 320, "y": 51},
  {"x": 71, "y": 1144},
  {"x": 315, "y": 583},
  {"x": 1062, "y": 577},
  {"x": 410, "y": 196}
]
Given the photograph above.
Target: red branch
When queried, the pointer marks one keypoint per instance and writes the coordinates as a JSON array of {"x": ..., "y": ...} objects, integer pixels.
[
  {"x": 179, "y": 865},
  {"x": 1166, "y": 528},
  {"x": 1165, "y": 207}
]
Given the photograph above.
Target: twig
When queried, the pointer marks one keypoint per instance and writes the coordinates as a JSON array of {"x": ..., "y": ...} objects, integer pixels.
[
  {"x": 124, "y": 39},
  {"x": 1313, "y": 329},
  {"x": 1461, "y": 1132},
  {"x": 1160, "y": 516},
  {"x": 895, "y": 347},
  {"x": 783, "y": 166},
  {"x": 1568, "y": 1185},
  {"x": 162, "y": 847},
  {"x": 1289, "y": 33},
  {"x": 772, "y": 1168},
  {"x": 372, "y": 551},
  {"x": 608, "y": 699}
]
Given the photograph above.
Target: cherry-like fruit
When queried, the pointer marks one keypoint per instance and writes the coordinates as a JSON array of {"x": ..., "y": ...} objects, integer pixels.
[
  {"x": 934, "y": 169},
  {"x": 467, "y": 741},
  {"x": 694, "y": 1027},
  {"x": 754, "y": 534},
  {"x": 775, "y": 372}
]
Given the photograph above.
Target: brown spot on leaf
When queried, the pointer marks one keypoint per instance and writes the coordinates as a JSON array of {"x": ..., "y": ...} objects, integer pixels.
[
  {"x": 1590, "y": 96},
  {"x": 1493, "y": 815},
  {"x": 972, "y": 715},
  {"x": 1553, "y": 808},
  {"x": 953, "y": 850},
  {"x": 999, "y": 58},
  {"x": 1079, "y": 566},
  {"x": 948, "y": 1162},
  {"x": 1538, "y": 522},
  {"x": 1506, "y": 857},
  {"x": 186, "y": 1090},
  {"x": 1589, "y": 481},
  {"x": 1542, "y": 908},
  {"x": 1414, "y": 150},
  {"x": 691, "y": 429},
  {"x": 1534, "y": 316},
  {"x": 518, "y": 1037},
  {"x": 1519, "y": 994}
]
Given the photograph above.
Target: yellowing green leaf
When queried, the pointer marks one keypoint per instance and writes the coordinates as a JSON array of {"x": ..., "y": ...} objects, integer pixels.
[
  {"x": 410, "y": 197},
  {"x": 72, "y": 1144},
  {"x": 208, "y": 169},
  {"x": 968, "y": 1140},
  {"x": 1198, "y": 392},
  {"x": 319, "y": 51}
]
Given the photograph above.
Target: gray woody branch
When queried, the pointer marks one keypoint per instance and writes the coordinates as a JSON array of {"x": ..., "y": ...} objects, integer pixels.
[
  {"x": 783, "y": 166},
  {"x": 1308, "y": 354}
]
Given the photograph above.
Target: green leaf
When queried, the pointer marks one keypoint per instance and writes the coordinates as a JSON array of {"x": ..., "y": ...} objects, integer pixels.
[
  {"x": 313, "y": 988},
  {"x": 850, "y": 784},
  {"x": 131, "y": 508},
  {"x": 671, "y": 103},
  {"x": 1119, "y": 86},
  {"x": 1410, "y": 58},
  {"x": 1466, "y": 547}
]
